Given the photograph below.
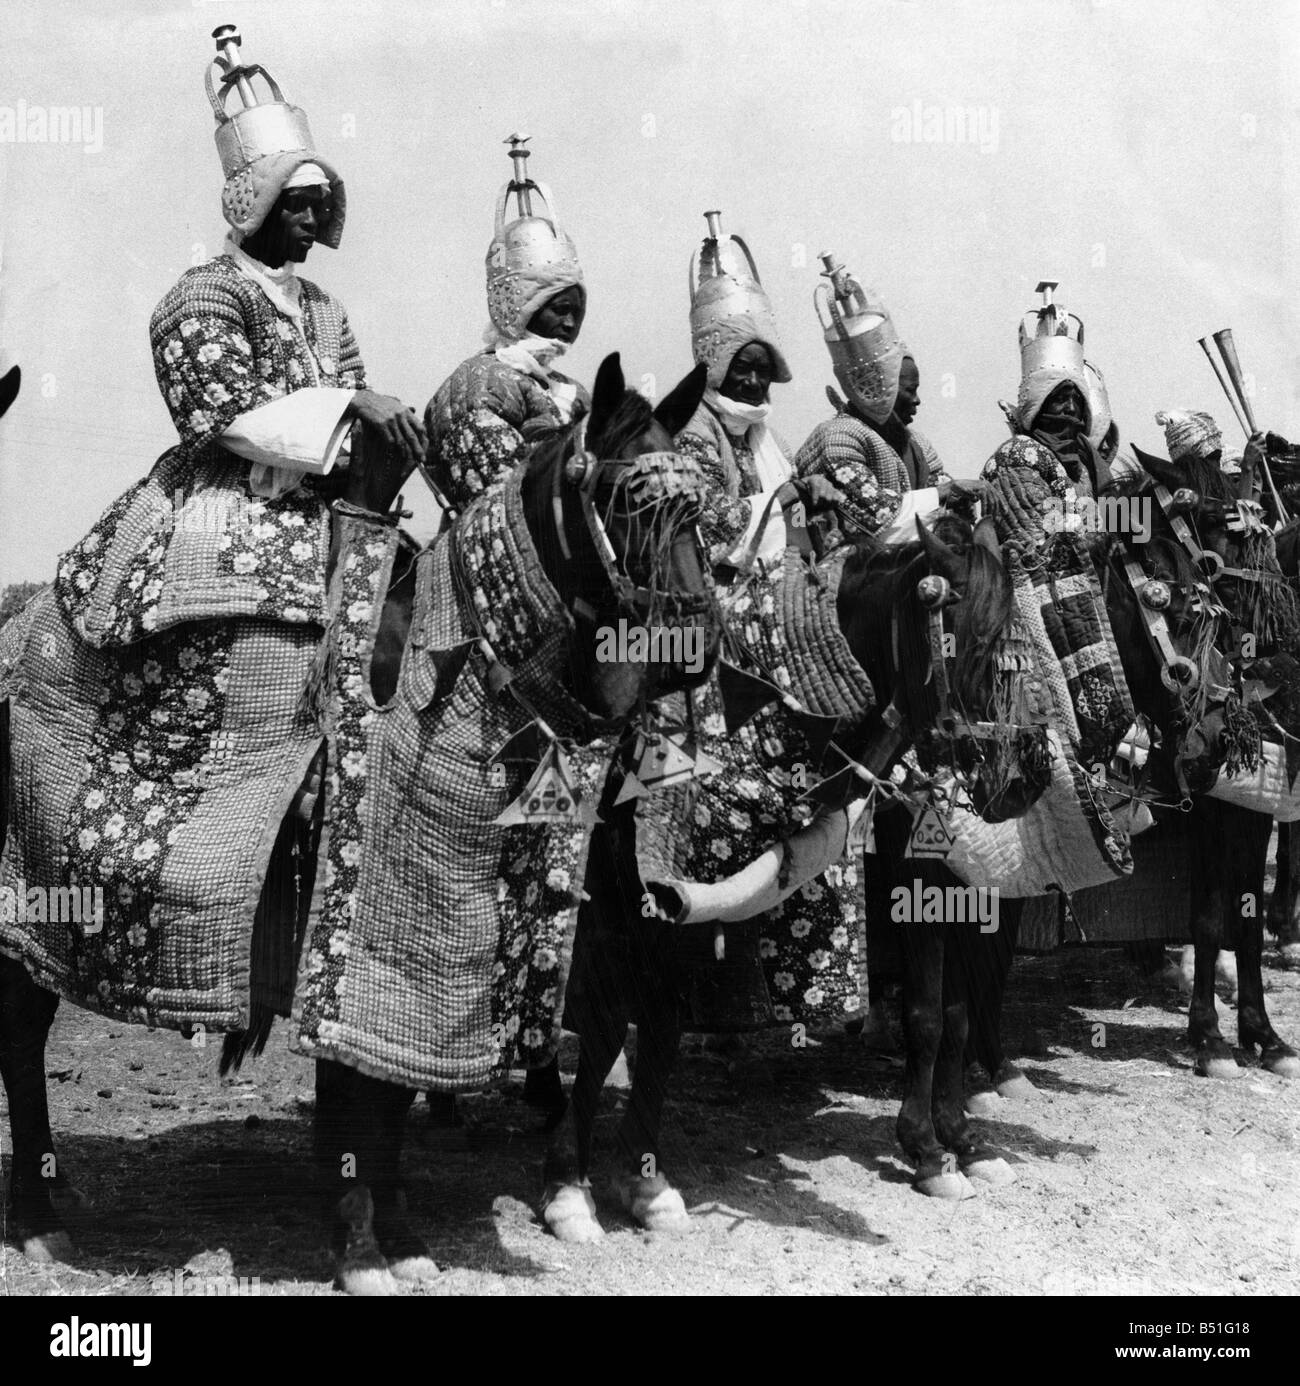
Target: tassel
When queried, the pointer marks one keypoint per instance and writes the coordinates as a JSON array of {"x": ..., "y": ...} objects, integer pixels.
[{"x": 313, "y": 705}]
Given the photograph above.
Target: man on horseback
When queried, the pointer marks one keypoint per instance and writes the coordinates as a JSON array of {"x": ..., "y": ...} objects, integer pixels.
[
  {"x": 494, "y": 405},
  {"x": 257, "y": 366},
  {"x": 890, "y": 472}
]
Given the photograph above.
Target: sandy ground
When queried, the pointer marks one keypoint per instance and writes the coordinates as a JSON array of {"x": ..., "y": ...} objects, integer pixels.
[{"x": 1135, "y": 1176}]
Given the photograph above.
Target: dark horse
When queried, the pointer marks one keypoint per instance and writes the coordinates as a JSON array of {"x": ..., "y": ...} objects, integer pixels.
[
  {"x": 651, "y": 546},
  {"x": 635, "y": 975},
  {"x": 1228, "y": 843}
]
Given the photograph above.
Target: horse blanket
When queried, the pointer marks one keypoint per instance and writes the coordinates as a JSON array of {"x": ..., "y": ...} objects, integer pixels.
[
  {"x": 441, "y": 951},
  {"x": 707, "y": 829},
  {"x": 154, "y": 777},
  {"x": 1070, "y": 838}
]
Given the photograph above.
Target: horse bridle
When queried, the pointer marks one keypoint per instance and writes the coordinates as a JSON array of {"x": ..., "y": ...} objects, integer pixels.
[{"x": 654, "y": 476}]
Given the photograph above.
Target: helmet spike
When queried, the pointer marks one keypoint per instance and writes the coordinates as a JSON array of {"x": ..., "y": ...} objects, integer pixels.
[
  {"x": 1046, "y": 287},
  {"x": 228, "y": 43},
  {"x": 521, "y": 185},
  {"x": 714, "y": 220}
]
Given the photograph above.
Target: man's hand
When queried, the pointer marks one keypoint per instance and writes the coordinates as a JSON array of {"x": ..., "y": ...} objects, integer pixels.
[
  {"x": 815, "y": 493},
  {"x": 964, "y": 493},
  {"x": 392, "y": 421}
]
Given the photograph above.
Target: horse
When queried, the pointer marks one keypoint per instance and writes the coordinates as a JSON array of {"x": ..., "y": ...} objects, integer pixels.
[
  {"x": 1207, "y": 598},
  {"x": 609, "y": 541},
  {"x": 634, "y": 969}
]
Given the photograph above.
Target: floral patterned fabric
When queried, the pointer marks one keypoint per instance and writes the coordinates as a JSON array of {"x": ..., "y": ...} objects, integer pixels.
[
  {"x": 708, "y": 829},
  {"x": 157, "y": 775},
  {"x": 482, "y": 422},
  {"x": 441, "y": 953},
  {"x": 191, "y": 541},
  {"x": 728, "y": 465},
  {"x": 855, "y": 458}
]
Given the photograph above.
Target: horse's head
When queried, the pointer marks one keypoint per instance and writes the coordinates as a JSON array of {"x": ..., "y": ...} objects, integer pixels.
[
  {"x": 612, "y": 508},
  {"x": 929, "y": 621}
]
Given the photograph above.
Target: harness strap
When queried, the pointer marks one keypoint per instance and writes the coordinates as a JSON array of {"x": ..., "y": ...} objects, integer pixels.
[{"x": 1157, "y": 631}]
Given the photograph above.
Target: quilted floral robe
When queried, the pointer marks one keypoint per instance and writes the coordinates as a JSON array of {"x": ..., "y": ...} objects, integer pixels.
[
  {"x": 482, "y": 422},
  {"x": 191, "y": 541}
]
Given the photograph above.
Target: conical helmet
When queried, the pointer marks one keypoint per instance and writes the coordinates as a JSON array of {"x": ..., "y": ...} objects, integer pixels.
[
  {"x": 263, "y": 144},
  {"x": 532, "y": 258},
  {"x": 866, "y": 353},
  {"x": 1051, "y": 351},
  {"x": 729, "y": 307}
]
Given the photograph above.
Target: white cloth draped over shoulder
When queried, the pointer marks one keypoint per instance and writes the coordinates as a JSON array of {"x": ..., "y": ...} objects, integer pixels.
[
  {"x": 533, "y": 355},
  {"x": 748, "y": 423},
  {"x": 300, "y": 434}
]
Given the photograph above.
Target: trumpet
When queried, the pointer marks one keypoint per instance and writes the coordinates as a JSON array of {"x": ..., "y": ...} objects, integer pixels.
[{"x": 1234, "y": 387}]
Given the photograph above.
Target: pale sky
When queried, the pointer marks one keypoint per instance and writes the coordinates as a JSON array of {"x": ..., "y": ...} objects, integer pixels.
[{"x": 1142, "y": 152}]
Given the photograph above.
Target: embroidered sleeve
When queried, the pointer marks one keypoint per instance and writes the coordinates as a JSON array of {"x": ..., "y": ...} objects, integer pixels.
[
  {"x": 832, "y": 452},
  {"x": 475, "y": 429},
  {"x": 352, "y": 371},
  {"x": 1029, "y": 492},
  {"x": 938, "y": 472},
  {"x": 725, "y": 518},
  {"x": 205, "y": 365}
]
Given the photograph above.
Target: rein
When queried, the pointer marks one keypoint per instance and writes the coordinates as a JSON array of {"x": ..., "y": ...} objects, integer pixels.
[{"x": 651, "y": 477}]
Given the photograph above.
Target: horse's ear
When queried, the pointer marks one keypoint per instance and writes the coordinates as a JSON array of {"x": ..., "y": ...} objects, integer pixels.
[
  {"x": 606, "y": 395},
  {"x": 986, "y": 536},
  {"x": 943, "y": 560},
  {"x": 675, "y": 409}
]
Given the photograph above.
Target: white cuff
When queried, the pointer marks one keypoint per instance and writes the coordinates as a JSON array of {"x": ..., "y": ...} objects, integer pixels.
[
  {"x": 916, "y": 505},
  {"x": 299, "y": 433},
  {"x": 774, "y": 541}
]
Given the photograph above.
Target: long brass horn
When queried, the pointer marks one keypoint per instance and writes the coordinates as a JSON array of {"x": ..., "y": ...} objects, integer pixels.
[
  {"x": 1204, "y": 344},
  {"x": 1228, "y": 349}
]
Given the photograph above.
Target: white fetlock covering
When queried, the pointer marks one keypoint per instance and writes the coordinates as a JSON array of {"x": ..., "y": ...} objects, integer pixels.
[
  {"x": 570, "y": 1213},
  {"x": 995, "y": 1172},
  {"x": 654, "y": 1203}
]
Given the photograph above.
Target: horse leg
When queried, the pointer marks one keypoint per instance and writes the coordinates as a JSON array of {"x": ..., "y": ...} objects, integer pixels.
[
  {"x": 36, "y": 1182},
  {"x": 347, "y": 1149},
  {"x": 994, "y": 958},
  {"x": 963, "y": 953},
  {"x": 544, "y": 1091},
  {"x": 643, "y": 1187},
  {"x": 1284, "y": 907},
  {"x": 1211, "y": 901},
  {"x": 1253, "y": 1025},
  {"x": 937, "y": 1171},
  {"x": 569, "y": 1208},
  {"x": 406, "y": 1252}
]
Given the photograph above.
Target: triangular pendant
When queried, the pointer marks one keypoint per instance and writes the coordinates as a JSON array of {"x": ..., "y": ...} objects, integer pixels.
[
  {"x": 932, "y": 837},
  {"x": 743, "y": 695},
  {"x": 549, "y": 796}
]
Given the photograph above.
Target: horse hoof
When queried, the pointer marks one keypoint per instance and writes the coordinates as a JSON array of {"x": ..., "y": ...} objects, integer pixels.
[
  {"x": 366, "y": 1280},
  {"x": 992, "y": 1170},
  {"x": 1014, "y": 1086},
  {"x": 570, "y": 1213},
  {"x": 949, "y": 1184},
  {"x": 654, "y": 1203},
  {"x": 1290, "y": 954},
  {"x": 1286, "y": 1065},
  {"x": 48, "y": 1248},
  {"x": 414, "y": 1270},
  {"x": 983, "y": 1104},
  {"x": 1214, "y": 1066}
]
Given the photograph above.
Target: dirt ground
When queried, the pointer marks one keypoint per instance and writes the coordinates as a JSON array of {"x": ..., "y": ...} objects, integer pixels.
[{"x": 1135, "y": 1176}]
